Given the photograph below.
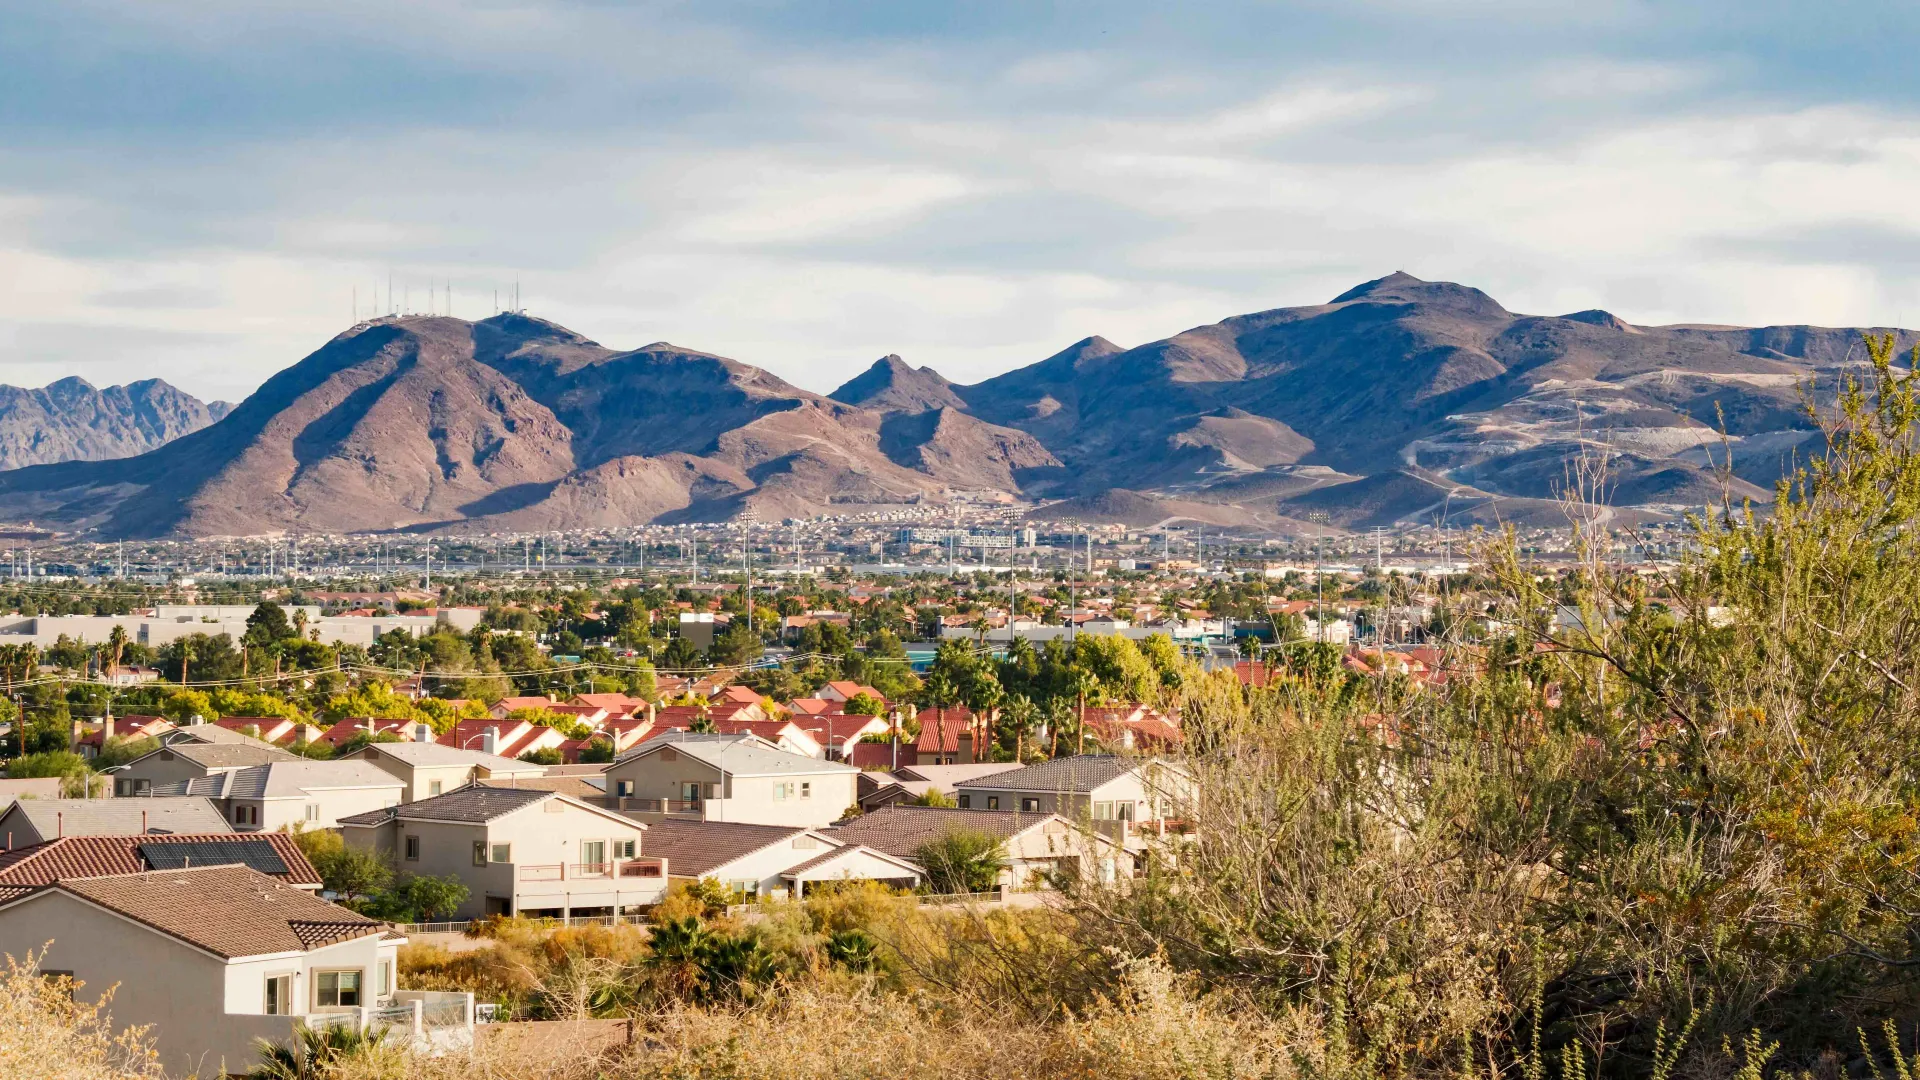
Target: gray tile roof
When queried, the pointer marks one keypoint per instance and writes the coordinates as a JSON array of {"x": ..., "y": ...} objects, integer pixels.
[
  {"x": 225, "y": 755},
  {"x": 432, "y": 754},
  {"x": 738, "y": 755},
  {"x": 475, "y": 804},
  {"x": 695, "y": 848},
  {"x": 285, "y": 780},
  {"x": 1073, "y": 775},
  {"x": 901, "y": 830},
  {"x": 118, "y": 817}
]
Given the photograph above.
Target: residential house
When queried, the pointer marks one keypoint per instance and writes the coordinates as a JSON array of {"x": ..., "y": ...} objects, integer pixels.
[
  {"x": 845, "y": 690},
  {"x": 908, "y": 783},
  {"x": 837, "y": 732},
  {"x": 274, "y": 729},
  {"x": 1035, "y": 846},
  {"x": 429, "y": 769},
  {"x": 1125, "y": 798},
  {"x": 180, "y": 760},
  {"x": 507, "y": 706},
  {"x": 215, "y": 959},
  {"x": 24, "y": 869},
  {"x": 616, "y": 705},
  {"x": 347, "y": 730},
  {"x": 738, "y": 778},
  {"x": 502, "y": 738},
  {"x": 522, "y": 851},
  {"x": 770, "y": 860},
  {"x": 948, "y": 736},
  {"x": 34, "y": 821},
  {"x": 784, "y": 734},
  {"x": 1131, "y": 727},
  {"x": 288, "y": 794},
  {"x": 130, "y": 728}
]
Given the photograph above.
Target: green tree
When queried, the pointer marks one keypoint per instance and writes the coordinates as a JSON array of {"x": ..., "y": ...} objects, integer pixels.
[
  {"x": 435, "y": 898},
  {"x": 962, "y": 861}
]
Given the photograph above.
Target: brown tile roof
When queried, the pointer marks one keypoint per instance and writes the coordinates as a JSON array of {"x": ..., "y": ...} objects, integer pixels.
[
  {"x": 693, "y": 848},
  {"x": 230, "y": 911},
  {"x": 473, "y": 804},
  {"x": 576, "y": 786},
  {"x": 901, "y": 830},
  {"x": 96, "y": 856}
]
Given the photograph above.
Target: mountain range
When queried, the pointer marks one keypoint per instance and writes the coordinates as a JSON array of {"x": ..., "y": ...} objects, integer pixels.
[
  {"x": 1400, "y": 400},
  {"x": 70, "y": 420}
]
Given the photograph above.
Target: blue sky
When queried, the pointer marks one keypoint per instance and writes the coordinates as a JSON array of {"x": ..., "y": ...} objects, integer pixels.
[{"x": 195, "y": 190}]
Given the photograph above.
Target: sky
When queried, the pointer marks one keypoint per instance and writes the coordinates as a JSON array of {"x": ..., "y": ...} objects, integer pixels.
[{"x": 204, "y": 191}]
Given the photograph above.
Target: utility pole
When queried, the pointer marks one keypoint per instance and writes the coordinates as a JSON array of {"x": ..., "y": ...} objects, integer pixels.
[
  {"x": 746, "y": 560},
  {"x": 1319, "y": 584}
]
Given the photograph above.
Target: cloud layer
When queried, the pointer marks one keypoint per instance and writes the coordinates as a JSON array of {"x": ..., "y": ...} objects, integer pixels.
[{"x": 200, "y": 191}]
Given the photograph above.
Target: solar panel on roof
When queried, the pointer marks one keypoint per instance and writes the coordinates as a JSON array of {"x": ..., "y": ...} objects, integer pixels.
[{"x": 257, "y": 854}]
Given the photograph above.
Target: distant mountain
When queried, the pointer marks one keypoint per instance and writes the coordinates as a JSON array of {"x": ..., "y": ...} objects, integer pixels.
[
  {"x": 69, "y": 420},
  {"x": 1400, "y": 400},
  {"x": 891, "y": 385}
]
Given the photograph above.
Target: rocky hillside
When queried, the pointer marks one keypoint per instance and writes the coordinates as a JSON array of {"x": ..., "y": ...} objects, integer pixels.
[
  {"x": 70, "y": 420},
  {"x": 1398, "y": 401}
]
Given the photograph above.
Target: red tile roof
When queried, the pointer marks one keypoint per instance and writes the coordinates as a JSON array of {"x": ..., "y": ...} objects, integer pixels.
[{"x": 97, "y": 856}]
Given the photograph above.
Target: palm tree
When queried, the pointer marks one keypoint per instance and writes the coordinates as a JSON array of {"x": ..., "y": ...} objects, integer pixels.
[{"x": 1022, "y": 714}]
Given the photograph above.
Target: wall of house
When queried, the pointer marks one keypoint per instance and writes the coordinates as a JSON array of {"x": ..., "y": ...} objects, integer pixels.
[
  {"x": 856, "y": 865},
  {"x": 333, "y": 804},
  {"x": 538, "y": 838},
  {"x": 760, "y": 871},
  {"x": 155, "y": 980},
  {"x": 748, "y": 799},
  {"x": 550, "y": 834},
  {"x": 246, "y": 980},
  {"x": 161, "y": 767},
  {"x": 419, "y": 782}
]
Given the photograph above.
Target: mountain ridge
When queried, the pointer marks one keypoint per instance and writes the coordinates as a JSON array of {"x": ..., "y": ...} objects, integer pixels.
[{"x": 1350, "y": 413}]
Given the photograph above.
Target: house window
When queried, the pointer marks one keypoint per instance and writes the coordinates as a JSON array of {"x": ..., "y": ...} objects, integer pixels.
[
  {"x": 479, "y": 853},
  {"x": 313, "y": 811},
  {"x": 279, "y": 995},
  {"x": 993, "y": 802},
  {"x": 336, "y": 989},
  {"x": 434, "y": 787},
  {"x": 133, "y": 786},
  {"x": 593, "y": 853},
  {"x": 779, "y": 793},
  {"x": 966, "y": 802},
  {"x": 806, "y": 791},
  {"x": 385, "y": 985},
  {"x": 503, "y": 853},
  {"x": 1030, "y": 806},
  {"x": 623, "y": 788},
  {"x": 690, "y": 791},
  {"x": 1103, "y": 811},
  {"x": 625, "y": 849},
  {"x": 413, "y": 849}
]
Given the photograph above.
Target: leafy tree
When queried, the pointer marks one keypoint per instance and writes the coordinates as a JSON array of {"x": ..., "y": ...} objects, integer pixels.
[
  {"x": 267, "y": 625},
  {"x": 865, "y": 704},
  {"x": 546, "y": 755},
  {"x": 435, "y": 897},
  {"x": 962, "y": 861}
]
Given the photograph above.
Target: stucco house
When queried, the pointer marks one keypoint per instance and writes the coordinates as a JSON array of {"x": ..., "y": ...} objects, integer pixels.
[
  {"x": 736, "y": 778},
  {"x": 286, "y": 794},
  {"x": 185, "y": 759},
  {"x": 770, "y": 860},
  {"x": 214, "y": 958},
  {"x": 521, "y": 851},
  {"x": 1126, "y": 798},
  {"x": 429, "y": 769},
  {"x": 1037, "y": 846}
]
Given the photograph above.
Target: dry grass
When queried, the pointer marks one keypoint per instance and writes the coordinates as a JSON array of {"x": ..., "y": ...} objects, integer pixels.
[
  {"x": 1153, "y": 1029},
  {"x": 46, "y": 1035}
]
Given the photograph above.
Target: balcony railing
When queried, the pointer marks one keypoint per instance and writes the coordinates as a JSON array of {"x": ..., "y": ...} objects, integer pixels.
[
  {"x": 600, "y": 871},
  {"x": 648, "y": 806}
]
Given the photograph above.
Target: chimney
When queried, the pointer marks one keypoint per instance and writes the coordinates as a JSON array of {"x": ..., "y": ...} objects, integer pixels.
[
  {"x": 650, "y": 714},
  {"x": 79, "y": 730},
  {"x": 422, "y": 733},
  {"x": 106, "y": 730},
  {"x": 964, "y": 745},
  {"x": 490, "y": 741}
]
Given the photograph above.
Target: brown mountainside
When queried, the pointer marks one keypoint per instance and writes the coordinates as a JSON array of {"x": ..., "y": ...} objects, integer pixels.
[{"x": 1400, "y": 400}]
